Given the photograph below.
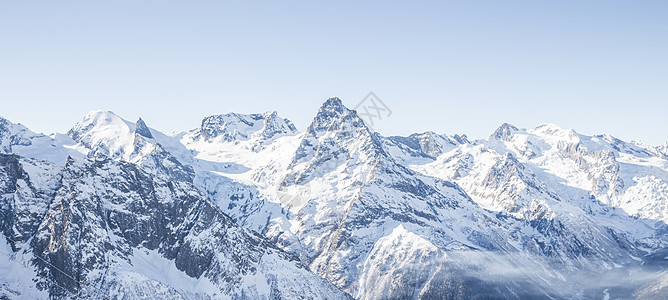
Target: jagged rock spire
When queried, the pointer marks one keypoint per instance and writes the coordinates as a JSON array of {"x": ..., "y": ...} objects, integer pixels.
[{"x": 142, "y": 129}]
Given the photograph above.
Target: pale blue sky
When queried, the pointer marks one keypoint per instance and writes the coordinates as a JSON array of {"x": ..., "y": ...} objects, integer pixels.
[{"x": 450, "y": 67}]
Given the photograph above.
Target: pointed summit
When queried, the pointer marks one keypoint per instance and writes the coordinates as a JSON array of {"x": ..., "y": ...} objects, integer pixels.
[
  {"x": 142, "y": 129},
  {"x": 332, "y": 102},
  {"x": 333, "y": 115},
  {"x": 504, "y": 132},
  {"x": 336, "y": 132}
]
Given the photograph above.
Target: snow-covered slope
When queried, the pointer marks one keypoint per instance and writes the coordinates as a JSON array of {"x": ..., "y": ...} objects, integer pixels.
[
  {"x": 108, "y": 226},
  {"x": 234, "y": 127},
  {"x": 343, "y": 190},
  {"x": 358, "y": 194},
  {"x": 525, "y": 213},
  {"x": 576, "y": 168},
  {"x": 429, "y": 143},
  {"x": 98, "y": 227},
  {"x": 18, "y": 139}
]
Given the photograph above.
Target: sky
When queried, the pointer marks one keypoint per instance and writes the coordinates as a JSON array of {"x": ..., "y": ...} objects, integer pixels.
[{"x": 444, "y": 66}]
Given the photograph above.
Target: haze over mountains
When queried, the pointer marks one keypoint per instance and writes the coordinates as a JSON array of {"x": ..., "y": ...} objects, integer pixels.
[{"x": 245, "y": 206}]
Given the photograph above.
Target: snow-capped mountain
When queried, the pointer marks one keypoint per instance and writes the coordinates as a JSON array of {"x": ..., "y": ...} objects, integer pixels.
[
  {"x": 234, "y": 127},
  {"x": 97, "y": 228},
  {"x": 246, "y": 206},
  {"x": 429, "y": 143},
  {"x": 18, "y": 139}
]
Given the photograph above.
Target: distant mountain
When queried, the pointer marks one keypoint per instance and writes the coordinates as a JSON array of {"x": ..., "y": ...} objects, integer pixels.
[
  {"x": 246, "y": 206},
  {"x": 234, "y": 127}
]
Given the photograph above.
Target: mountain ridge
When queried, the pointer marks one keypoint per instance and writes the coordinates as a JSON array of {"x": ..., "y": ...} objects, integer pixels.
[{"x": 357, "y": 208}]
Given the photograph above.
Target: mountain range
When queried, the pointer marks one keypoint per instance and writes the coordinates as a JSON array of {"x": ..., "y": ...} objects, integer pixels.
[{"x": 246, "y": 206}]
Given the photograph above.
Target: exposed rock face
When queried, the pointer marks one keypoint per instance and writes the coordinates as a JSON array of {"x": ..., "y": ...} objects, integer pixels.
[
  {"x": 142, "y": 129},
  {"x": 12, "y": 135},
  {"x": 430, "y": 143},
  {"x": 232, "y": 126},
  {"x": 87, "y": 226}
]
